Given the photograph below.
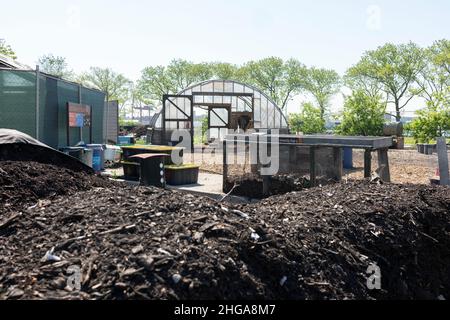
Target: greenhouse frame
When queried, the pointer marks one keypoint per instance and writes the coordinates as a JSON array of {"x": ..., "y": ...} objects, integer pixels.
[{"x": 229, "y": 104}]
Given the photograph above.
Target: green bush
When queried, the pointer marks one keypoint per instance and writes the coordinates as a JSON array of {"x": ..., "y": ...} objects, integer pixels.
[
  {"x": 363, "y": 116},
  {"x": 309, "y": 121},
  {"x": 431, "y": 122}
]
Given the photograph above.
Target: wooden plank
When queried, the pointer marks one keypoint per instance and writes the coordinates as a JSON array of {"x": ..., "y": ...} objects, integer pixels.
[
  {"x": 338, "y": 163},
  {"x": 225, "y": 165},
  {"x": 367, "y": 163},
  {"x": 443, "y": 161},
  {"x": 266, "y": 185},
  {"x": 312, "y": 165},
  {"x": 383, "y": 165}
]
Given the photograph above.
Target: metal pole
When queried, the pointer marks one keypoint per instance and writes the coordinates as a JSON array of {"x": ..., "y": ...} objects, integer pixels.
[
  {"x": 37, "y": 102},
  {"x": 106, "y": 115},
  {"x": 443, "y": 161}
]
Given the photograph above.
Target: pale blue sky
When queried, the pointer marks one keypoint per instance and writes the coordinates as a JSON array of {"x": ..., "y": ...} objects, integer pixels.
[{"x": 129, "y": 35}]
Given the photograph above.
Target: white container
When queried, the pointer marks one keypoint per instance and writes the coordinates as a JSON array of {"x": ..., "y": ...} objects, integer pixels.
[{"x": 112, "y": 153}]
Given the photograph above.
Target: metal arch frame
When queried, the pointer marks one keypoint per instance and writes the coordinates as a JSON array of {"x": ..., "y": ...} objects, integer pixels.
[
  {"x": 191, "y": 98},
  {"x": 244, "y": 85},
  {"x": 156, "y": 116}
]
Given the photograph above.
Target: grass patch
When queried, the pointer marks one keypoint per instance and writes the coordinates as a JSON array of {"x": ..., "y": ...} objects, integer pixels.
[{"x": 412, "y": 141}]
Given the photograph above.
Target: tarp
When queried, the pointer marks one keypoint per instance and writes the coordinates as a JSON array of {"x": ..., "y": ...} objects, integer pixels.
[
  {"x": 18, "y": 146},
  {"x": 10, "y": 136}
]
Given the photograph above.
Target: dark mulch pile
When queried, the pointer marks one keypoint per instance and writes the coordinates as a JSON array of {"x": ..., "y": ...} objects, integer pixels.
[
  {"x": 147, "y": 243},
  {"x": 24, "y": 182},
  {"x": 251, "y": 185},
  {"x": 338, "y": 230}
]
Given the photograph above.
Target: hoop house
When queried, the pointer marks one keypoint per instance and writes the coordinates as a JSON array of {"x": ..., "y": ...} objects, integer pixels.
[{"x": 230, "y": 105}]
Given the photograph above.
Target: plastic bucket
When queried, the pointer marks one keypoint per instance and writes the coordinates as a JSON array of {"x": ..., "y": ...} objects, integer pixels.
[
  {"x": 112, "y": 153},
  {"x": 87, "y": 157},
  {"x": 98, "y": 160},
  {"x": 76, "y": 152},
  {"x": 348, "y": 158},
  {"x": 421, "y": 148}
]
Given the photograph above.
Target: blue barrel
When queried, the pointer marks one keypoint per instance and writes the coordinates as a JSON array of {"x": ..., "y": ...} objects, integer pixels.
[
  {"x": 97, "y": 156},
  {"x": 348, "y": 158}
]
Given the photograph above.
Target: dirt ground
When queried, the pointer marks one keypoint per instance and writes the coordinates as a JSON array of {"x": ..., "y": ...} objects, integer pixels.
[
  {"x": 146, "y": 243},
  {"x": 406, "y": 166}
]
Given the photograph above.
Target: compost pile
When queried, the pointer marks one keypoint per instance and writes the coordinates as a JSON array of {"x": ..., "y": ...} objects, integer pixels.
[
  {"x": 147, "y": 243},
  {"x": 251, "y": 185},
  {"x": 24, "y": 182}
]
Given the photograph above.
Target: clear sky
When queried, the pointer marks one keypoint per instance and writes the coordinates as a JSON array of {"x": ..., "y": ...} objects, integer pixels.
[{"x": 129, "y": 35}]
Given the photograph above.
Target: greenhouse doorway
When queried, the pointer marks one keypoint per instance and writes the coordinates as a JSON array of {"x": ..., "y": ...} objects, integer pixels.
[{"x": 218, "y": 122}]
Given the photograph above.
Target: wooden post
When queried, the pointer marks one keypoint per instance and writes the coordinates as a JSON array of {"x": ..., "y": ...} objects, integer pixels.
[
  {"x": 383, "y": 165},
  {"x": 443, "y": 162},
  {"x": 367, "y": 163},
  {"x": 225, "y": 166},
  {"x": 266, "y": 178},
  {"x": 266, "y": 185},
  {"x": 337, "y": 163},
  {"x": 312, "y": 165}
]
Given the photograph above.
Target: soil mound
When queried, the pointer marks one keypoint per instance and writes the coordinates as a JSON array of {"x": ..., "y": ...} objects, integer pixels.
[{"x": 147, "y": 243}]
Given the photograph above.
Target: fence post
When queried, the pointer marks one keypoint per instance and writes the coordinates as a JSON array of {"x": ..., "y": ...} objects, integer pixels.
[
  {"x": 79, "y": 101},
  {"x": 37, "y": 102},
  {"x": 443, "y": 161}
]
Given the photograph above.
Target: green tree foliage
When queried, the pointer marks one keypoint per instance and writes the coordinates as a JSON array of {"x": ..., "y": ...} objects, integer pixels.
[
  {"x": 280, "y": 80},
  {"x": 205, "y": 126},
  {"x": 395, "y": 68},
  {"x": 309, "y": 121},
  {"x": 6, "y": 50},
  {"x": 363, "y": 115},
  {"x": 115, "y": 85},
  {"x": 226, "y": 71},
  {"x": 179, "y": 74},
  {"x": 55, "y": 65},
  {"x": 431, "y": 122},
  {"x": 441, "y": 54},
  {"x": 434, "y": 79},
  {"x": 322, "y": 84}
]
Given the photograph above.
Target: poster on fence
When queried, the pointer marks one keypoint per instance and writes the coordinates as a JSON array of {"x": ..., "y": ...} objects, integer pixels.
[{"x": 79, "y": 115}]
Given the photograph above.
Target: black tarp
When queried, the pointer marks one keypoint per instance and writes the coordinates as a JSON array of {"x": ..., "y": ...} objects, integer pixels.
[{"x": 18, "y": 146}]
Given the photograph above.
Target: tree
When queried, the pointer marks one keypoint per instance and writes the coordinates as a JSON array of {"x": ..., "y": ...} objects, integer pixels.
[
  {"x": 55, "y": 65},
  {"x": 154, "y": 83},
  {"x": 225, "y": 71},
  {"x": 431, "y": 122},
  {"x": 395, "y": 68},
  {"x": 309, "y": 121},
  {"x": 179, "y": 74},
  {"x": 322, "y": 84},
  {"x": 359, "y": 82},
  {"x": 114, "y": 85},
  {"x": 363, "y": 115},
  {"x": 441, "y": 54},
  {"x": 6, "y": 50},
  {"x": 434, "y": 79},
  {"x": 184, "y": 73},
  {"x": 280, "y": 80}
]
